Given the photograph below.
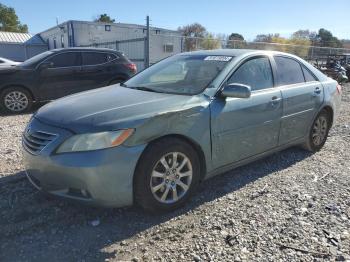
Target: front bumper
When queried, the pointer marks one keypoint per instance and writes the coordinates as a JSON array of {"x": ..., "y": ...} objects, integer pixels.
[{"x": 102, "y": 177}]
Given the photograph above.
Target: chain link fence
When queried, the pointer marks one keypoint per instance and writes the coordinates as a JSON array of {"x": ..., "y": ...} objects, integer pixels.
[{"x": 162, "y": 46}]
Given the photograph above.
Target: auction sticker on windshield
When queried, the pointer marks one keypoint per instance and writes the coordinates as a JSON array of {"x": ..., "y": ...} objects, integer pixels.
[{"x": 218, "y": 58}]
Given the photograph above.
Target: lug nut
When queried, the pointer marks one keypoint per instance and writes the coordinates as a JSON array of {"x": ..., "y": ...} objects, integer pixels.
[
  {"x": 167, "y": 181},
  {"x": 173, "y": 183}
]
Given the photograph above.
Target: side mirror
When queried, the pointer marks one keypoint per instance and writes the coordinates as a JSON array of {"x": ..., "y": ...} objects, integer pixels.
[
  {"x": 236, "y": 90},
  {"x": 46, "y": 64}
]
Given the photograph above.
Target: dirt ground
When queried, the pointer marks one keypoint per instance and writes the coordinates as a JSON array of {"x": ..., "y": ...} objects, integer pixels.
[{"x": 291, "y": 206}]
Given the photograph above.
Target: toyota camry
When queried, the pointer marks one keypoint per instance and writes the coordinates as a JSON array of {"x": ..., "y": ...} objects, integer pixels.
[{"x": 153, "y": 139}]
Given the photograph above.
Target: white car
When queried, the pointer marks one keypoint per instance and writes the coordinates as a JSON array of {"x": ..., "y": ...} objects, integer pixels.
[{"x": 7, "y": 62}]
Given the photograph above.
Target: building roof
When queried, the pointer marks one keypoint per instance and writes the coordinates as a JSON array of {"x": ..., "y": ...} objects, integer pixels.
[
  {"x": 20, "y": 38},
  {"x": 124, "y": 25},
  {"x": 11, "y": 37}
]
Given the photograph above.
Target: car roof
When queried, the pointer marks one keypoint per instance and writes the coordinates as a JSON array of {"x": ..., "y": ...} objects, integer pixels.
[
  {"x": 84, "y": 49},
  {"x": 235, "y": 52}
]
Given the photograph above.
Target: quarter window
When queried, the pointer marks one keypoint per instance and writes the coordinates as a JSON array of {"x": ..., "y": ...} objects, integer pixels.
[
  {"x": 255, "y": 73},
  {"x": 91, "y": 58},
  {"x": 308, "y": 76},
  {"x": 65, "y": 60},
  {"x": 288, "y": 71}
]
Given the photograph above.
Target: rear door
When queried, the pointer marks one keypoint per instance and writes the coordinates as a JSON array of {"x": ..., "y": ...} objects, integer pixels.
[
  {"x": 243, "y": 127},
  {"x": 62, "y": 77},
  {"x": 302, "y": 96},
  {"x": 98, "y": 69}
]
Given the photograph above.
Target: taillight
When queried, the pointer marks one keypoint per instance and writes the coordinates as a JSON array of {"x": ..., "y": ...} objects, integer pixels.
[
  {"x": 339, "y": 89},
  {"x": 132, "y": 67}
]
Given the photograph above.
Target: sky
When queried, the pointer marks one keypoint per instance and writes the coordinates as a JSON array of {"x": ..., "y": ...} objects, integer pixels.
[{"x": 247, "y": 17}]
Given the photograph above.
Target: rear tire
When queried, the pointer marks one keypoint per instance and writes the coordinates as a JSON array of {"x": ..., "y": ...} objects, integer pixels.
[
  {"x": 15, "y": 100},
  {"x": 166, "y": 176},
  {"x": 318, "y": 132}
]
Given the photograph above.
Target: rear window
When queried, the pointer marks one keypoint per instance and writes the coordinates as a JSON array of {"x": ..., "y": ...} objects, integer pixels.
[
  {"x": 94, "y": 58},
  {"x": 288, "y": 71},
  {"x": 308, "y": 76}
]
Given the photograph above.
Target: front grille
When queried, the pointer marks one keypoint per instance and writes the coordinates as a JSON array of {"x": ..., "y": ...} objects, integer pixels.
[{"x": 36, "y": 141}]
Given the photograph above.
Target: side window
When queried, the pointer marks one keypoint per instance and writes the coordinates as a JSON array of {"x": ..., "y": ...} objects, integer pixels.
[
  {"x": 288, "y": 71},
  {"x": 111, "y": 57},
  {"x": 255, "y": 73},
  {"x": 65, "y": 60},
  {"x": 1, "y": 62},
  {"x": 92, "y": 58},
  {"x": 308, "y": 76}
]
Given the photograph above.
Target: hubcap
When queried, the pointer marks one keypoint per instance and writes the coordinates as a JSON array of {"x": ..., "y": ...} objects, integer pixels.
[
  {"x": 16, "y": 101},
  {"x": 319, "y": 130},
  {"x": 171, "y": 177}
]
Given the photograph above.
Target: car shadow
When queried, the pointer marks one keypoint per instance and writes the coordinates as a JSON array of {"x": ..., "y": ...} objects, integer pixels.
[{"x": 42, "y": 227}]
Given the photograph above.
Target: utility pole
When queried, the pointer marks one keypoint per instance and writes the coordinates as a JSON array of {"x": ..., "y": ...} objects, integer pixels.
[{"x": 147, "y": 43}]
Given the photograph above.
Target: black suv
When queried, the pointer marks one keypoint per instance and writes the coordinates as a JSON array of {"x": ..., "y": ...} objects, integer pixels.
[{"x": 60, "y": 72}]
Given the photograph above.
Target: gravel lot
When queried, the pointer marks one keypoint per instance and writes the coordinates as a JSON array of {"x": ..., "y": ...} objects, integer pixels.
[{"x": 290, "y": 206}]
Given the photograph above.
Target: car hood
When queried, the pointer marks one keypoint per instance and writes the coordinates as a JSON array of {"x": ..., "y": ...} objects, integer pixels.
[{"x": 109, "y": 108}]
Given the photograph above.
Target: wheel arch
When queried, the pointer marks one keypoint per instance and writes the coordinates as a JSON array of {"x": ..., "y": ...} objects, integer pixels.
[
  {"x": 330, "y": 112},
  {"x": 191, "y": 142},
  {"x": 4, "y": 88}
]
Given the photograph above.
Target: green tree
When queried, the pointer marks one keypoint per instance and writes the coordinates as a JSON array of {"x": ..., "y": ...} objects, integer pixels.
[
  {"x": 235, "y": 40},
  {"x": 209, "y": 42},
  {"x": 326, "y": 38},
  {"x": 9, "y": 21},
  {"x": 104, "y": 18},
  {"x": 236, "y": 36},
  {"x": 193, "y": 34}
]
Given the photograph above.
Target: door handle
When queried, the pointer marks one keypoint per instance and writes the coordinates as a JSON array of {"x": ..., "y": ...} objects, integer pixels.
[
  {"x": 317, "y": 91},
  {"x": 275, "y": 101}
]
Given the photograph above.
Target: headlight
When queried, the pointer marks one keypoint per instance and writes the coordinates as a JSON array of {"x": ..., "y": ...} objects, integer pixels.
[{"x": 94, "y": 141}]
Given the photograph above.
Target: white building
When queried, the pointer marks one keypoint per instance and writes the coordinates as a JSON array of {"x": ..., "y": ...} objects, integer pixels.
[{"x": 128, "y": 38}]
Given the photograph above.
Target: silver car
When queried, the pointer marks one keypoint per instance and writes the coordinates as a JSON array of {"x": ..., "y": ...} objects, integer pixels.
[{"x": 187, "y": 118}]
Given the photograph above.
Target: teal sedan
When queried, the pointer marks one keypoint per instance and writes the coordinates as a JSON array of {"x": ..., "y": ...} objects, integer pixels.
[{"x": 153, "y": 139}]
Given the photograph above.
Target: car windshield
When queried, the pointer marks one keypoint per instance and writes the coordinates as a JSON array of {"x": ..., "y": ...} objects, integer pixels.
[
  {"x": 180, "y": 74},
  {"x": 35, "y": 59}
]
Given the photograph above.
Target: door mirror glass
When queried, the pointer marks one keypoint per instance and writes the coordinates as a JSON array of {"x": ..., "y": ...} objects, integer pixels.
[{"x": 236, "y": 90}]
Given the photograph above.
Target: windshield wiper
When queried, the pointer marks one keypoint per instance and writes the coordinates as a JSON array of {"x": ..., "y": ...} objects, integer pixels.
[{"x": 144, "y": 88}]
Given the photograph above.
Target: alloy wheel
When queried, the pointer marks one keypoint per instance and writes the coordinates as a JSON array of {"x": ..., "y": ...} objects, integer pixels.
[
  {"x": 319, "y": 130},
  {"x": 171, "y": 177},
  {"x": 16, "y": 101}
]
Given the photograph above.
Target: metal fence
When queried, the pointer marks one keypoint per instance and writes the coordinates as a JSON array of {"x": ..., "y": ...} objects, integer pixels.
[
  {"x": 303, "y": 51},
  {"x": 160, "y": 46}
]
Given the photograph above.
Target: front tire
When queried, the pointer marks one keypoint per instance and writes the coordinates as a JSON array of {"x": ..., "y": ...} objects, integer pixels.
[
  {"x": 16, "y": 100},
  {"x": 318, "y": 132},
  {"x": 167, "y": 175}
]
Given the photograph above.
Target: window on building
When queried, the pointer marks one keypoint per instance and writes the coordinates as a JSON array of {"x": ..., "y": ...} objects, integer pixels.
[
  {"x": 65, "y": 59},
  {"x": 255, "y": 73},
  {"x": 108, "y": 28},
  {"x": 62, "y": 41},
  {"x": 169, "y": 48},
  {"x": 54, "y": 44},
  {"x": 288, "y": 71}
]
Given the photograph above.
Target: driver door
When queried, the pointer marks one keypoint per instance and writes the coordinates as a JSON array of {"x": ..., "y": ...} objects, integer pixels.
[
  {"x": 244, "y": 127},
  {"x": 62, "y": 77}
]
